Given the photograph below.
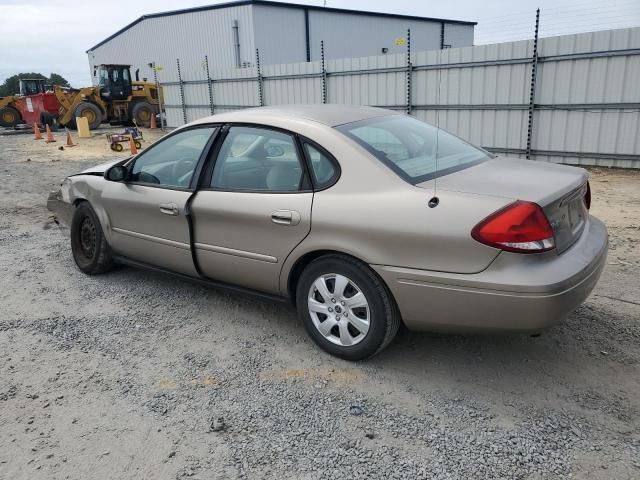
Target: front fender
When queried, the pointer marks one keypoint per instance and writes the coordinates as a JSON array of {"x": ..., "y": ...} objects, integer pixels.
[{"x": 73, "y": 190}]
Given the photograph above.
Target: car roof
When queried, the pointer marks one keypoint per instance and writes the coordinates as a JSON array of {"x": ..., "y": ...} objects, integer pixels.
[{"x": 327, "y": 114}]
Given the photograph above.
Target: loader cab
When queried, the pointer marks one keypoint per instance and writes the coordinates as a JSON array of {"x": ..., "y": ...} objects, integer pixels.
[
  {"x": 31, "y": 86},
  {"x": 114, "y": 81}
]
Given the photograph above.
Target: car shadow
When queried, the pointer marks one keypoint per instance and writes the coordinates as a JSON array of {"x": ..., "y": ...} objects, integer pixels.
[
  {"x": 593, "y": 351},
  {"x": 569, "y": 354}
]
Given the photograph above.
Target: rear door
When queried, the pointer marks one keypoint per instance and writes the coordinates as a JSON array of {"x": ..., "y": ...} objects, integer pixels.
[
  {"x": 254, "y": 209},
  {"x": 147, "y": 212}
]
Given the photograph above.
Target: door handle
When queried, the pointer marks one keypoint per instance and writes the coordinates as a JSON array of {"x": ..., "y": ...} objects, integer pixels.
[
  {"x": 169, "y": 209},
  {"x": 285, "y": 217}
]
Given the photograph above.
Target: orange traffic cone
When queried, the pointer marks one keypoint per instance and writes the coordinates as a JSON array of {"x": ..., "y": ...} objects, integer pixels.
[
  {"x": 132, "y": 144},
  {"x": 50, "y": 138},
  {"x": 36, "y": 130},
  {"x": 153, "y": 124},
  {"x": 69, "y": 140}
]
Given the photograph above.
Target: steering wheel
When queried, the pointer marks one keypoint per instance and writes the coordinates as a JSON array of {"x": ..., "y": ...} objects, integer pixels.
[{"x": 182, "y": 170}]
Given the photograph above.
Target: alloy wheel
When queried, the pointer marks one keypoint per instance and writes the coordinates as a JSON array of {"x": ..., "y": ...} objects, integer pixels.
[{"x": 339, "y": 309}]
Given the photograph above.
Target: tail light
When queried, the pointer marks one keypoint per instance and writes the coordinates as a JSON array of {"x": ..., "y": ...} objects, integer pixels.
[
  {"x": 587, "y": 197},
  {"x": 520, "y": 227}
]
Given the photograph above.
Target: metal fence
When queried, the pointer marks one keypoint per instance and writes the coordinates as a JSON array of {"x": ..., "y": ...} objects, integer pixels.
[{"x": 567, "y": 99}]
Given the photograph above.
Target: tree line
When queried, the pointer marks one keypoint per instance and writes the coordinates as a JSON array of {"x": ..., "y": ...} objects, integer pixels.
[{"x": 11, "y": 84}]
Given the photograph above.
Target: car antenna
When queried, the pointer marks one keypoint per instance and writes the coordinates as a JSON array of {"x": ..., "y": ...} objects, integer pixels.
[{"x": 434, "y": 201}]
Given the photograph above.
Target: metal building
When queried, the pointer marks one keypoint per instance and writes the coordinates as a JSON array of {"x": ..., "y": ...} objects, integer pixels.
[{"x": 229, "y": 34}]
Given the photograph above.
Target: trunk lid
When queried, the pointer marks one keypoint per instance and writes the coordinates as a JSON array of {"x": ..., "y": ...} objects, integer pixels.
[{"x": 558, "y": 189}]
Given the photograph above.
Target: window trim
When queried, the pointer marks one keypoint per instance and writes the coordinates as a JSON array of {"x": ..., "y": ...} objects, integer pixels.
[
  {"x": 199, "y": 165},
  {"x": 323, "y": 151},
  {"x": 306, "y": 184}
]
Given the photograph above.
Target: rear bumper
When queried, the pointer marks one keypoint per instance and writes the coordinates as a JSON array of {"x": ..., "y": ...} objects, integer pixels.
[
  {"x": 519, "y": 293},
  {"x": 62, "y": 210}
]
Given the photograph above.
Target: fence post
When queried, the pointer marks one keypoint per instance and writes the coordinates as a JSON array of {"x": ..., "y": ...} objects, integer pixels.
[
  {"x": 324, "y": 73},
  {"x": 532, "y": 94},
  {"x": 260, "y": 91},
  {"x": 209, "y": 83},
  {"x": 184, "y": 108},
  {"x": 409, "y": 74},
  {"x": 160, "y": 94}
]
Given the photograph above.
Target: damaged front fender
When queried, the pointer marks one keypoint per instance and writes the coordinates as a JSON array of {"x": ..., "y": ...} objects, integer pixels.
[{"x": 60, "y": 203}]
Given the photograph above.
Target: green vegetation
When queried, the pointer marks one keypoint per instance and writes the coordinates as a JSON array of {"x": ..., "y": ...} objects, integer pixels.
[{"x": 10, "y": 85}]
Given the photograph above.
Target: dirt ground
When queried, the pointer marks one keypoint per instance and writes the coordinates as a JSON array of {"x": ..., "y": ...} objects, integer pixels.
[{"x": 135, "y": 375}]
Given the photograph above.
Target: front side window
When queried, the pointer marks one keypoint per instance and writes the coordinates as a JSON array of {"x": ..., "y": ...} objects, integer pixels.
[
  {"x": 171, "y": 163},
  {"x": 103, "y": 77},
  {"x": 415, "y": 150},
  {"x": 258, "y": 159}
]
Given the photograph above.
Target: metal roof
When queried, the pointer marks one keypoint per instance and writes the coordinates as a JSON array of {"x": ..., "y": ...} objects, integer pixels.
[{"x": 273, "y": 4}]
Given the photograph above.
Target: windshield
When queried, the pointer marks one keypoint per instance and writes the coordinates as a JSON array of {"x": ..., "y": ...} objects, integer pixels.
[{"x": 413, "y": 149}]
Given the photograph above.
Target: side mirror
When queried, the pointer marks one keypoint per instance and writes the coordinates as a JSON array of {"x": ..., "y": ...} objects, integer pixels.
[{"x": 116, "y": 174}]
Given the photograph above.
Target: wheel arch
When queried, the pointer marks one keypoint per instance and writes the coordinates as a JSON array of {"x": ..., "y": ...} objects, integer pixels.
[
  {"x": 294, "y": 273},
  {"x": 86, "y": 188}
]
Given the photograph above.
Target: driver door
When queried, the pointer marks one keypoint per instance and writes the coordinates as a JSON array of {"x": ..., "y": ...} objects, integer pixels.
[{"x": 147, "y": 212}]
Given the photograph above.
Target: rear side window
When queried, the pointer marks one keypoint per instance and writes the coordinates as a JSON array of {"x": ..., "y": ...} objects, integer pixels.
[{"x": 323, "y": 168}]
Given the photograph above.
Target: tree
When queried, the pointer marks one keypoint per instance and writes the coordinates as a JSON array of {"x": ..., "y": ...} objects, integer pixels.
[
  {"x": 11, "y": 85},
  {"x": 56, "y": 79}
]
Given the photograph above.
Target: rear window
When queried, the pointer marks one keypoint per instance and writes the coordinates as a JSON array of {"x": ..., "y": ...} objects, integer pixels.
[{"x": 415, "y": 150}]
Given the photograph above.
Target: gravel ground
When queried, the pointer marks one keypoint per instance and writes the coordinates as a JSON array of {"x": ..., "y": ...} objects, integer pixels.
[{"x": 137, "y": 375}]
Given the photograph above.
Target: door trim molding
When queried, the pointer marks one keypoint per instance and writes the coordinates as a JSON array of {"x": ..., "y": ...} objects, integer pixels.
[
  {"x": 236, "y": 253},
  {"x": 151, "y": 238}
]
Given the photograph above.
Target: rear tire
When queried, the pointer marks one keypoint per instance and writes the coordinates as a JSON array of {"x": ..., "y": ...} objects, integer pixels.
[
  {"x": 9, "y": 117},
  {"x": 362, "y": 320},
  {"x": 91, "y": 112},
  {"x": 88, "y": 244},
  {"x": 141, "y": 113}
]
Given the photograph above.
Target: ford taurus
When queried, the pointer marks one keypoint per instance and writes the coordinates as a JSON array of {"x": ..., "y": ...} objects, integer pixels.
[{"x": 364, "y": 218}]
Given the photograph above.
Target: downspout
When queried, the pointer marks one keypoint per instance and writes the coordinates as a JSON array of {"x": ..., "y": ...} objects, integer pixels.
[
  {"x": 236, "y": 42},
  {"x": 306, "y": 33}
]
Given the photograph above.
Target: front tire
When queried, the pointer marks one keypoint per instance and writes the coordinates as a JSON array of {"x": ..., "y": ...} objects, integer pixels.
[
  {"x": 88, "y": 244},
  {"x": 91, "y": 112},
  {"x": 345, "y": 308},
  {"x": 9, "y": 117}
]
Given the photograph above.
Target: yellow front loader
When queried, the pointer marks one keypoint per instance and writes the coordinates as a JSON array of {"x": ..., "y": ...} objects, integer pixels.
[{"x": 116, "y": 99}]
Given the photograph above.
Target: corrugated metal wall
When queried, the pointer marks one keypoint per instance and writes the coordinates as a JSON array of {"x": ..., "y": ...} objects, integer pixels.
[
  {"x": 587, "y": 99},
  {"x": 188, "y": 36},
  {"x": 365, "y": 32},
  {"x": 279, "y": 32}
]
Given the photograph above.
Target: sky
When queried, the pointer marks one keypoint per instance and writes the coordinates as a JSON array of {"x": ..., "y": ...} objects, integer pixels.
[{"x": 53, "y": 35}]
